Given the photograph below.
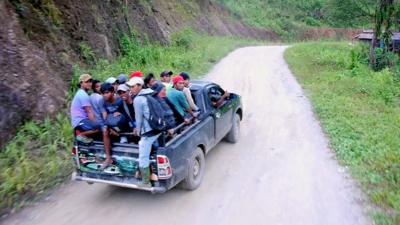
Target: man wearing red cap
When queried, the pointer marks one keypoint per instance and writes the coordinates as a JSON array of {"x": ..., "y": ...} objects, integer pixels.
[
  {"x": 177, "y": 97},
  {"x": 136, "y": 74}
]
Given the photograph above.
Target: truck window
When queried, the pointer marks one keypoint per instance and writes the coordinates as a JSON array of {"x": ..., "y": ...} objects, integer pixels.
[{"x": 214, "y": 94}]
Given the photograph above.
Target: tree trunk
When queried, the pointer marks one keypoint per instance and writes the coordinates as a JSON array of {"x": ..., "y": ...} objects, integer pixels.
[
  {"x": 372, "y": 57},
  {"x": 377, "y": 34},
  {"x": 383, "y": 19}
]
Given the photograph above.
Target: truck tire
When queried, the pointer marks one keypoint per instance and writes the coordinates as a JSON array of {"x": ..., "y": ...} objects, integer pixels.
[
  {"x": 234, "y": 133},
  {"x": 195, "y": 171}
]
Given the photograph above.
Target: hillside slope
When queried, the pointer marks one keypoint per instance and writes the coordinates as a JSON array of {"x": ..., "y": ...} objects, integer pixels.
[
  {"x": 302, "y": 19},
  {"x": 41, "y": 40}
]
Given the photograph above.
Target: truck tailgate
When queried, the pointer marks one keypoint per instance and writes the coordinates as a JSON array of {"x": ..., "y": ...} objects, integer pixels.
[{"x": 88, "y": 159}]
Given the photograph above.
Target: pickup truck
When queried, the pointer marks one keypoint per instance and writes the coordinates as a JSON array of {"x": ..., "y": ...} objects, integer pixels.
[{"x": 180, "y": 159}]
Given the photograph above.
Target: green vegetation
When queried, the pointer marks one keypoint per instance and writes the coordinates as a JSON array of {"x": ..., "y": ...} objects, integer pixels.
[
  {"x": 39, "y": 156},
  {"x": 45, "y": 10},
  {"x": 349, "y": 13},
  {"x": 288, "y": 18},
  {"x": 86, "y": 53},
  {"x": 188, "y": 52},
  {"x": 52, "y": 12},
  {"x": 385, "y": 19},
  {"x": 36, "y": 159},
  {"x": 360, "y": 111}
]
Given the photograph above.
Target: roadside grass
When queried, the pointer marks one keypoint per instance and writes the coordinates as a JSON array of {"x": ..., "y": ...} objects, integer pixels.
[
  {"x": 360, "y": 112},
  {"x": 38, "y": 158}
]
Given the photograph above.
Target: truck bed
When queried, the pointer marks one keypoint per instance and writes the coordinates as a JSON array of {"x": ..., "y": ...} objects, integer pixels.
[{"x": 89, "y": 157}]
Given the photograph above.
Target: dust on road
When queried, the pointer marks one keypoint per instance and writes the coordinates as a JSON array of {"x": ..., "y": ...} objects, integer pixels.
[{"x": 281, "y": 171}]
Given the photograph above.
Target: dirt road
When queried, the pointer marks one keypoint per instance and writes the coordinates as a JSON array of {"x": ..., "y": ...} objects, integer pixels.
[{"x": 281, "y": 171}]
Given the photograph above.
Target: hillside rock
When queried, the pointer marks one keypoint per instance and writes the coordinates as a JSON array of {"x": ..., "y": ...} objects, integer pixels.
[{"x": 41, "y": 40}]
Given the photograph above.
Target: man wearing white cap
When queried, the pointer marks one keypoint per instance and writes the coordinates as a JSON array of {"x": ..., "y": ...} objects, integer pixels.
[
  {"x": 143, "y": 128},
  {"x": 128, "y": 109}
]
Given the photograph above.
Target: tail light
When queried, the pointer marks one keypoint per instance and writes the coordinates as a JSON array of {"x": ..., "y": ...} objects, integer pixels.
[
  {"x": 164, "y": 167},
  {"x": 160, "y": 160}
]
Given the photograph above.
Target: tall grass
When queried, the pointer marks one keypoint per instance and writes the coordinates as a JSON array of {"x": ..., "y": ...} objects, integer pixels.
[
  {"x": 36, "y": 159},
  {"x": 39, "y": 156},
  {"x": 359, "y": 110}
]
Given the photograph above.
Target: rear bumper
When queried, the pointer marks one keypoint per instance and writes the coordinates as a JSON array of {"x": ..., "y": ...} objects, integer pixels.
[{"x": 76, "y": 177}]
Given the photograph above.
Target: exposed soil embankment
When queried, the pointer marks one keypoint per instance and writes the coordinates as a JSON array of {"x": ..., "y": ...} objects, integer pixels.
[
  {"x": 32, "y": 78},
  {"x": 41, "y": 40}
]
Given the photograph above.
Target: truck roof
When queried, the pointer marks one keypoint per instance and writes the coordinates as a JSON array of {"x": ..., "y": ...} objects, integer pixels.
[{"x": 199, "y": 84}]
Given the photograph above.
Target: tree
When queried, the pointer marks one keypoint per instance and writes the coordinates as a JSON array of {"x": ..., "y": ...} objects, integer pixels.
[
  {"x": 350, "y": 13},
  {"x": 384, "y": 20}
]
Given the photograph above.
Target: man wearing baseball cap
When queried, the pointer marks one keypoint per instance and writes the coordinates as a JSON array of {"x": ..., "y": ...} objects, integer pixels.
[
  {"x": 178, "y": 99},
  {"x": 128, "y": 109},
  {"x": 121, "y": 79},
  {"x": 82, "y": 116},
  {"x": 136, "y": 74},
  {"x": 113, "y": 81},
  {"x": 83, "y": 120},
  {"x": 147, "y": 135}
]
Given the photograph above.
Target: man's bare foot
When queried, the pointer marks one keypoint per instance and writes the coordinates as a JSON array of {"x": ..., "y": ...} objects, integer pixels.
[{"x": 106, "y": 163}]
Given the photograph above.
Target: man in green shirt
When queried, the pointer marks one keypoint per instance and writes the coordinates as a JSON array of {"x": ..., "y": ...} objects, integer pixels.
[{"x": 178, "y": 99}]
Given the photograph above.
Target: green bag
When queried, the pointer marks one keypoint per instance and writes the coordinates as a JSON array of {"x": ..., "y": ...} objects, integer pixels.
[{"x": 128, "y": 166}]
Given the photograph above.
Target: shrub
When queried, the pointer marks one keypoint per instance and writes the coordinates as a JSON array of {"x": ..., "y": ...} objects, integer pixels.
[
  {"x": 359, "y": 55},
  {"x": 87, "y": 54},
  {"x": 384, "y": 59},
  {"x": 312, "y": 22},
  {"x": 183, "y": 39}
]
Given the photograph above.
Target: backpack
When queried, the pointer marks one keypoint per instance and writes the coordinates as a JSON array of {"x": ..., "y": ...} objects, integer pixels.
[{"x": 157, "y": 115}]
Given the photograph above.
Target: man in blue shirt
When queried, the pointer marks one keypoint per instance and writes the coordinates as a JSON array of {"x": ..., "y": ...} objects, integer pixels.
[{"x": 113, "y": 106}]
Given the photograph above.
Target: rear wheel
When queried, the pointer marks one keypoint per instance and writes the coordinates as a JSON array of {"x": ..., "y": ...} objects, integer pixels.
[
  {"x": 233, "y": 135},
  {"x": 195, "y": 171}
]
